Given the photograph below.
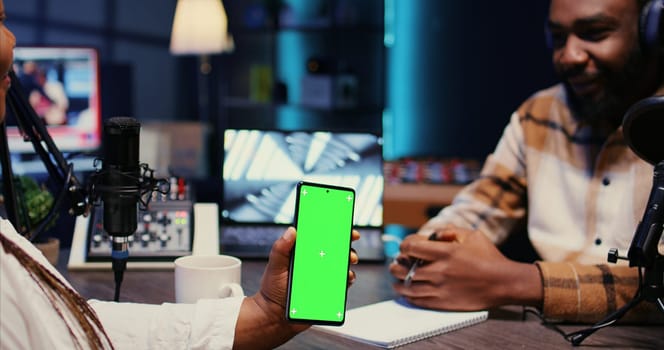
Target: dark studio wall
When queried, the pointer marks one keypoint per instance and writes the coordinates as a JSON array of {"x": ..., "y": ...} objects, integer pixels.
[
  {"x": 453, "y": 74},
  {"x": 137, "y": 71},
  {"x": 457, "y": 70}
]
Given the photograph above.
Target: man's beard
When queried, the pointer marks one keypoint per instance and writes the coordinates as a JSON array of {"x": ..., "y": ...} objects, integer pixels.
[{"x": 620, "y": 92}]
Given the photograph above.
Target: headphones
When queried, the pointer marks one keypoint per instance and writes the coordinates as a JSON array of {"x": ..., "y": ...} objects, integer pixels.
[{"x": 650, "y": 27}]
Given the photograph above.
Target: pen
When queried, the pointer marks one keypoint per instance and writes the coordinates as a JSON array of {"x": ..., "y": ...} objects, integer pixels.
[{"x": 409, "y": 277}]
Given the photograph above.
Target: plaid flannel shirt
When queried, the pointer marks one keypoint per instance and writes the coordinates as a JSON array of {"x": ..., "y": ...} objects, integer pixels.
[{"x": 576, "y": 206}]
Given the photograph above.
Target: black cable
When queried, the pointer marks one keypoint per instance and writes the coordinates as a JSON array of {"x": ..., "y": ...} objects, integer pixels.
[
  {"x": 8, "y": 185},
  {"x": 577, "y": 337},
  {"x": 119, "y": 267},
  {"x": 119, "y": 256}
]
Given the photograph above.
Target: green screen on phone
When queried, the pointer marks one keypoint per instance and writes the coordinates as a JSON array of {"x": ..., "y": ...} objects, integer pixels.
[{"x": 320, "y": 260}]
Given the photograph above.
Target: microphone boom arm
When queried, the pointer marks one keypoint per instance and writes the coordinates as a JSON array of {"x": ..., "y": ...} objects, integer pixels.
[
  {"x": 643, "y": 250},
  {"x": 55, "y": 163}
]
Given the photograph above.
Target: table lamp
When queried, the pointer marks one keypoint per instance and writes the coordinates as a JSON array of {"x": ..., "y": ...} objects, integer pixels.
[{"x": 200, "y": 27}]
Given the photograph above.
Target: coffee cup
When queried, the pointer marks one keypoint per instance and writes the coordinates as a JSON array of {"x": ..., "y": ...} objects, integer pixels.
[{"x": 207, "y": 277}]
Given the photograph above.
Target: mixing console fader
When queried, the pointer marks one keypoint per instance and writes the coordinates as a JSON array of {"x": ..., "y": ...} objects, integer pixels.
[{"x": 165, "y": 230}]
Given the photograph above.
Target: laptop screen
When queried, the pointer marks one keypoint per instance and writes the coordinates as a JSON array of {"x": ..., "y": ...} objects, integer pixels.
[{"x": 262, "y": 167}]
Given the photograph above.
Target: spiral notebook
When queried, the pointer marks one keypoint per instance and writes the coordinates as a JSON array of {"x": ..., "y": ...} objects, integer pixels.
[{"x": 393, "y": 323}]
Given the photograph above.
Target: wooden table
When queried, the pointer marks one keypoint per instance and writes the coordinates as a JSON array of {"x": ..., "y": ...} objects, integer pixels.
[{"x": 506, "y": 328}]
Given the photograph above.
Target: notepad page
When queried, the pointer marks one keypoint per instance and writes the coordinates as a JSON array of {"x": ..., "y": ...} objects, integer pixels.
[{"x": 393, "y": 323}]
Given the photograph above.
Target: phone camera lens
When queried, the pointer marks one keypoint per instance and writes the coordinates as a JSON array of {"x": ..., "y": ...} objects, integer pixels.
[{"x": 327, "y": 191}]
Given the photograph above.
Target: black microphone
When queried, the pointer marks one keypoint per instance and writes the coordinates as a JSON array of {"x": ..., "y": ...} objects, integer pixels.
[
  {"x": 125, "y": 186},
  {"x": 120, "y": 176},
  {"x": 120, "y": 182},
  {"x": 643, "y": 125}
]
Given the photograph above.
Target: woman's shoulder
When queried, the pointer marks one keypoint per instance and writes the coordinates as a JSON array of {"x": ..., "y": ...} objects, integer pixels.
[
  {"x": 8, "y": 231},
  {"x": 9, "y": 234}
]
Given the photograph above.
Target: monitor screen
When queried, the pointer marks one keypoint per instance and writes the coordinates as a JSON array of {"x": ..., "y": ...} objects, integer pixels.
[
  {"x": 62, "y": 86},
  {"x": 262, "y": 167}
]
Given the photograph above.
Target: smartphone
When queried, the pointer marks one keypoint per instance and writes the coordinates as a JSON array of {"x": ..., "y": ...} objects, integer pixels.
[{"x": 318, "y": 278}]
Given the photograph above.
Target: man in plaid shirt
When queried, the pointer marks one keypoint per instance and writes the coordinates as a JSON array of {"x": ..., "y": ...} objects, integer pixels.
[{"x": 562, "y": 169}]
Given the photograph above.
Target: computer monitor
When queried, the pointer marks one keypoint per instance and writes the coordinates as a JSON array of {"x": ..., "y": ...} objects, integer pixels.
[
  {"x": 62, "y": 85},
  {"x": 262, "y": 167}
]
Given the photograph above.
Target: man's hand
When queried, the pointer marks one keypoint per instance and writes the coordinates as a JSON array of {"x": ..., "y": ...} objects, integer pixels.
[{"x": 463, "y": 270}]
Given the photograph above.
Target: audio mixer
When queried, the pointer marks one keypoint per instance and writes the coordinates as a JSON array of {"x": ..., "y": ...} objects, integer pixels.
[
  {"x": 164, "y": 228},
  {"x": 164, "y": 231}
]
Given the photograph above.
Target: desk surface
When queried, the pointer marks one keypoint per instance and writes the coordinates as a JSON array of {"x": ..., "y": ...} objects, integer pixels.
[{"x": 506, "y": 327}]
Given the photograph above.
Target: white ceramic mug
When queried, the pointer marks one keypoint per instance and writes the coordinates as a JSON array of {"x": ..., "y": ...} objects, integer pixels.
[{"x": 207, "y": 277}]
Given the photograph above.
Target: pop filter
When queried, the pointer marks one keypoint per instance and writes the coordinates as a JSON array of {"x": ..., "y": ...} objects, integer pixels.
[{"x": 643, "y": 129}]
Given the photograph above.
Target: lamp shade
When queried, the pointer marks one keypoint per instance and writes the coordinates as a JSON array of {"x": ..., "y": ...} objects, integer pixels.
[{"x": 200, "y": 27}]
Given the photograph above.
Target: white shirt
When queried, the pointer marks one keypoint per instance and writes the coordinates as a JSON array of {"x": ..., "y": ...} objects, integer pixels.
[{"x": 28, "y": 319}]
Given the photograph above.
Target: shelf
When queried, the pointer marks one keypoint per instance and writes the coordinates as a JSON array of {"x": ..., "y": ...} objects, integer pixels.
[
  {"x": 243, "y": 102},
  {"x": 337, "y": 29},
  {"x": 275, "y": 41},
  {"x": 411, "y": 204},
  {"x": 348, "y": 29}
]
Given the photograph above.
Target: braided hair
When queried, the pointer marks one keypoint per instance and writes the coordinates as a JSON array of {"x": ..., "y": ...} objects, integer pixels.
[{"x": 58, "y": 294}]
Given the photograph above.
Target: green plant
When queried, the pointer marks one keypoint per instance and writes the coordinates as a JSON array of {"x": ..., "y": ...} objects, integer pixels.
[{"x": 34, "y": 204}]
